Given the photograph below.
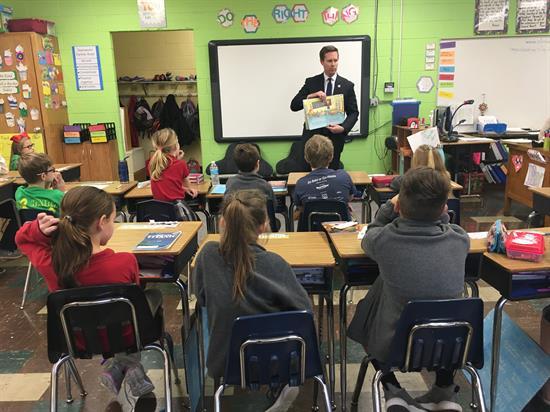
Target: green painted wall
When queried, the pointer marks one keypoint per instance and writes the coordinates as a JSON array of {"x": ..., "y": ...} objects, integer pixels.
[{"x": 90, "y": 22}]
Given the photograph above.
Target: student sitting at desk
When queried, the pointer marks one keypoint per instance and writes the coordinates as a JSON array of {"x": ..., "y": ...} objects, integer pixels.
[
  {"x": 247, "y": 159},
  {"x": 21, "y": 145},
  {"x": 420, "y": 256},
  {"x": 237, "y": 276},
  {"x": 167, "y": 168},
  {"x": 321, "y": 182},
  {"x": 424, "y": 155},
  {"x": 45, "y": 186},
  {"x": 69, "y": 252}
]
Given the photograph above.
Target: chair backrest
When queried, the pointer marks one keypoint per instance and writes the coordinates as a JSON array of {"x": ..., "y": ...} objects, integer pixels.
[
  {"x": 28, "y": 215},
  {"x": 103, "y": 320},
  {"x": 273, "y": 349},
  {"x": 156, "y": 210},
  {"x": 9, "y": 224},
  {"x": 227, "y": 165},
  {"x": 453, "y": 206},
  {"x": 438, "y": 334},
  {"x": 316, "y": 212}
]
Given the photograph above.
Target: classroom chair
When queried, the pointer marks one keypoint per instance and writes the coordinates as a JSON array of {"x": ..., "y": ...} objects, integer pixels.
[
  {"x": 102, "y": 320},
  {"x": 315, "y": 212},
  {"x": 273, "y": 349},
  {"x": 453, "y": 210},
  {"x": 273, "y": 222},
  {"x": 434, "y": 335},
  {"x": 28, "y": 215},
  {"x": 227, "y": 165}
]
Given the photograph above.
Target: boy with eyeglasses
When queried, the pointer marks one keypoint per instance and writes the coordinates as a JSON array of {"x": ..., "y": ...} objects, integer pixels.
[{"x": 45, "y": 186}]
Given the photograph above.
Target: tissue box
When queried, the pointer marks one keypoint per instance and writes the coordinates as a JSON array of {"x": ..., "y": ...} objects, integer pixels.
[{"x": 5, "y": 16}]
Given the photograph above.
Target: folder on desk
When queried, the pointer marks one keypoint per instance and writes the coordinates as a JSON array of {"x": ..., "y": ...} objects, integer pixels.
[{"x": 218, "y": 190}]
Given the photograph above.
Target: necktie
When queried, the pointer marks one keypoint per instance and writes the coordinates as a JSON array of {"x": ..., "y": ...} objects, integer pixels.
[{"x": 329, "y": 87}]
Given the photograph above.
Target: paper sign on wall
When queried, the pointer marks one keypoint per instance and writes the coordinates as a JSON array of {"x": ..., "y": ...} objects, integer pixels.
[
  {"x": 87, "y": 67},
  {"x": 151, "y": 13}
]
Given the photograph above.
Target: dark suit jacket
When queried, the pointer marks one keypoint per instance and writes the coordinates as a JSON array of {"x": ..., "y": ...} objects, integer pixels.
[{"x": 341, "y": 86}]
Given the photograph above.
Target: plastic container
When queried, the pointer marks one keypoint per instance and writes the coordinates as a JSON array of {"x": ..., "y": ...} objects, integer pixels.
[
  {"x": 403, "y": 109},
  {"x": 525, "y": 246},
  {"x": 383, "y": 181},
  {"x": 35, "y": 25},
  {"x": 123, "y": 174},
  {"x": 214, "y": 174}
]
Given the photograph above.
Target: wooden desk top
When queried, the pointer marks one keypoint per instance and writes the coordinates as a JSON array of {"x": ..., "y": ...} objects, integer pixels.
[
  {"x": 358, "y": 178},
  {"x": 145, "y": 192},
  {"x": 454, "y": 186},
  {"x": 299, "y": 249},
  {"x": 543, "y": 191},
  {"x": 6, "y": 180},
  {"x": 349, "y": 247},
  {"x": 114, "y": 188},
  {"x": 125, "y": 238},
  {"x": 60, "y": 167},
  {"x": 221, "y": 195},
  {"x": 467, "y": 143}
]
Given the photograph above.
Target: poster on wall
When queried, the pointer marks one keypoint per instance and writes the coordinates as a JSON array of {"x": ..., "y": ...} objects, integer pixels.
[
  {"x": 533, "y": 16},
  {"x": 152, "y": 14},
  {"x": 491, "y": 17},
  {"x": 87, "y": 68}
]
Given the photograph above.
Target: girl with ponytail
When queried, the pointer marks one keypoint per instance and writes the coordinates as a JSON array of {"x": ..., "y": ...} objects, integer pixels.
[
  {"x": 167, "y": 168},
  {"x": 69, "y": 252},
  {"x": 237, "y": 276}
]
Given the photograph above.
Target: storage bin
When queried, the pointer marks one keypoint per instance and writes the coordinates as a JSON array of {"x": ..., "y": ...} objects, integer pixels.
[
  {"x": 35, "y": 25},
  {"x": 525, "y": 246}
]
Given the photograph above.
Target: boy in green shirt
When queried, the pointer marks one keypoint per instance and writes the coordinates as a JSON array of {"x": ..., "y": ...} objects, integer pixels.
[{"x": 45, "y": 186}]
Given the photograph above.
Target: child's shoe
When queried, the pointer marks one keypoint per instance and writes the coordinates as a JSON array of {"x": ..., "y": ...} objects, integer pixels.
[
  {"x": 112, "y": 376},
  {"x": 399, "y": 400},
  {"x": 441, "y": 399}
]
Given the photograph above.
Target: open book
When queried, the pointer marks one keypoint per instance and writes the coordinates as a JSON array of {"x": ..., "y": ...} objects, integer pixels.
[{"x": 320, "y": 114}]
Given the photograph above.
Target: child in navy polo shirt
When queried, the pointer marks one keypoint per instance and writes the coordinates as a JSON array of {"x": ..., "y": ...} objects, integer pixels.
[{"x": 322, "y": 182}]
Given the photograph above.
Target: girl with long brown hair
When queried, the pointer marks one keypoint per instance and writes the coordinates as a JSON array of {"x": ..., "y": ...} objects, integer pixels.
[
  {"x": 237, "y": 276},
  {"x": 69, "y": 252}
]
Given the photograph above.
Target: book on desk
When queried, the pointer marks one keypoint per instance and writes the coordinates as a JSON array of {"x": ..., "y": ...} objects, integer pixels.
[{"x": 158, "y": 240}]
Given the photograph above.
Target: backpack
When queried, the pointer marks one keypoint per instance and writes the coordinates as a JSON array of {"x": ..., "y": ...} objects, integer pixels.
[
  {"x": 172, "y": 117},
  {"x": 190, "y": 113},
  {"x": 143, "y": 119},
  {"x": 184, "y": 212},
  {"x": 156, "y": 111}
]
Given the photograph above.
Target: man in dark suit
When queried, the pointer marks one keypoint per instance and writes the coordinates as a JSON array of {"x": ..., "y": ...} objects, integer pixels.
[{"x": 323, "y": 85}]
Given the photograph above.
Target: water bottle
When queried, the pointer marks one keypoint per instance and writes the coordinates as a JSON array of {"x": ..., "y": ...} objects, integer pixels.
[
  {"x": 214, "y": 174},
  {"x": 123, "y": 171}
]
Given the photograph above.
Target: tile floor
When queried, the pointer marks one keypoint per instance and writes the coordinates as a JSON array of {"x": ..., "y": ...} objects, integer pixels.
[{"x": 24, "y": 366}]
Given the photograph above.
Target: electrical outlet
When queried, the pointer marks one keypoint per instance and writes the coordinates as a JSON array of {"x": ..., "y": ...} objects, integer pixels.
[
  {"x": 374, "y": 101},
  {"x": 389, "y": 87}
]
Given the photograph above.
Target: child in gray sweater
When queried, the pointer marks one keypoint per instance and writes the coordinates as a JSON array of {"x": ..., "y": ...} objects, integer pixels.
[
  {"x": 420, "y": 256},
  {"x": 237, "y": 276}
]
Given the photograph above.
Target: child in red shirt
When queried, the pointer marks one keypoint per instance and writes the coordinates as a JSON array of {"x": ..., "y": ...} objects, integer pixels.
[
  {"x": 69, "y": 252},
  {"x": 167, "y": 168}
]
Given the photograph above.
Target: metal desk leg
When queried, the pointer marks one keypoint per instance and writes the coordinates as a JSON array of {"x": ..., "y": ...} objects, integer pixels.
[
  {"x": 343, "y": 344},
  {"x": 497, "y": 325},
  {"x": 330, "y": 340}
]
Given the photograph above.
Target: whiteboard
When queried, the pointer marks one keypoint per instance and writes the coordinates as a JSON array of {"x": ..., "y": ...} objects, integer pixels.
[
  {"x": 254, "y": 81},
  {"x": 512, "y": 72}
]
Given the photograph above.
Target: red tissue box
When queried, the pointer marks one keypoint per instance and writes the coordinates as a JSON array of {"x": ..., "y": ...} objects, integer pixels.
[
  {"x": 525, "y": 246},
  {"x": 383, "y": 181}
]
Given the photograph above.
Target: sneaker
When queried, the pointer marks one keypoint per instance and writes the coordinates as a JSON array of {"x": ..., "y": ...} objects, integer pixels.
[
  {"x": 285, "y": 399},
  {"x": 398, "y": 400},
  {"x": 10, "y": 254},
  {"x": 112, "y": 376},
  {"x": 440, "y": 399},
  {"x": 138, "y": 382}
]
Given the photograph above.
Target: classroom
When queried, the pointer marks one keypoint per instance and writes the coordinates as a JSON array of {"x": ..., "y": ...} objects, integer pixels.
[{"x": 269, "y": 206}]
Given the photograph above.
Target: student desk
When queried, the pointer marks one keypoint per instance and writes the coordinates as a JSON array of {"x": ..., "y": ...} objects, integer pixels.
[
  {"x": 541, "y": 202},
  {"x": 359, "y": 270},
  {"x": 115, "y": 188},
  {"x": 6, "y": 188},
  {"x": 307, "y": 250},
  {"x": 498, "y": 271},
  {"x": 380, "y": 195},
  {"x": 69, "y": 171},
  {"x": 139, "y": 194},
  {"x": 127, "y": 235}
]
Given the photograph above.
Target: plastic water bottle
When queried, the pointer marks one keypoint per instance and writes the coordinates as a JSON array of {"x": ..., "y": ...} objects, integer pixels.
[
  {"x": 214, "y": 174},
  {"x": 123, "y": 174}
]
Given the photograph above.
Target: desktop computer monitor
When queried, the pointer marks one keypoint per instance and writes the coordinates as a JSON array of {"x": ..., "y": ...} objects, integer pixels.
[{"x": 442, "y": 119}]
